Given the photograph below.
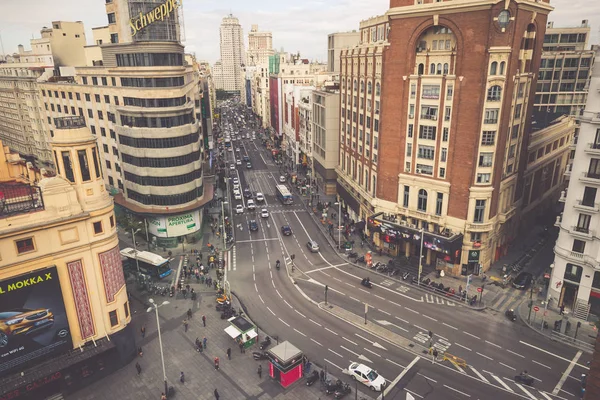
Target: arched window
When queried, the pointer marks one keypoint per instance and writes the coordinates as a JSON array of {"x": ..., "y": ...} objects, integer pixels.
[
  {"x": 377, "y": 89},
  {"x": 421, "y": 69},
  {"x": 432, "y": 69},
  {"x": 502, "y": 67},
  {"x": 362, "y": 86},
  {"x": 446, "y": 68},
  {"x": 494, "y": 68},
  {"x": 422, "y": 203},
  {"x": 494, "y": 93},
  {"x": 369, "y": 87},
  {"x": 355, "y": 85},
  {"x": 439, "y": 69}
]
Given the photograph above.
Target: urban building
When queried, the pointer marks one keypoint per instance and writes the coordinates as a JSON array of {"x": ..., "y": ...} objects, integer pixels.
[
  {"x": 335, "y": 43},
  {"x": 21, "y": 118},
  {"x": 142, "y": 100},
  {"x": 260, "y": 46},
  {"x": 326, "y": 137},
  {"x": 575, "y": 279},
  {"x": 565, "y": 70},
  {"x": 61, "y": 277},
  {"x": 296, "y": 118},
  {"x": 462, "y": 195},
  {"x": 259, "y": 90},
  {"x": 233, "y": 56}
]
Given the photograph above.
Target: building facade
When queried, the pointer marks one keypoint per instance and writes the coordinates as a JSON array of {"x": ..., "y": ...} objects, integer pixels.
[
  {"x": 260, "y": 46},
  {"x": 326, "y": 138},
  {"x": 335, "y": 43},
  {"x": 406, "y": 84},
  {"x": 61, "y": 269},
  {"x": 575, "y": 279},
  {"x": 233, "y": 55},
  {"x": 565, "y": 70}
]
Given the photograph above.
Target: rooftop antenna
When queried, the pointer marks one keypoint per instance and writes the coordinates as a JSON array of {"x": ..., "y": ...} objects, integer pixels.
[{"x": 1, "y": 43}]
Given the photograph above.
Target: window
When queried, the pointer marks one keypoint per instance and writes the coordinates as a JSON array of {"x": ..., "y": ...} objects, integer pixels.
[
  {"x": 97, "y": 227},
  {"x": 422, "y": 200},
  {"x": 485, "y": 159},
  {"x": 90, "y": 113},
  {"x": 431, "y": 92},
  {"x": 409, "y": 150},
  {"x": 97, "y": 98},
  {"x": 518, "y": 111},
  {"x": 515, "y": 131},
  {"x": 106, "y": 98},
  {"x": 494, "y": 93},
  {"x": 521, "y": 90},
  {"x": 439, "y": 202},
  {"x": 406, "y": 196},
  {"x": 573, "y": 273},
  {"x": 594, "y": 168},
  {"x": 149, "y": 59},
  {"x": 445, "y": 134},
  {"x": 578, "y": 246},
  {"x": 113, "y": 80},
  {"x": 475, "y": 237},
  {"x": 589, "y": 197},
  {"x": 446, "y": 68},
  {"x": 362, "y": 86},
  {"x": 424, "y": 169},
  {"x": 483, "y": 178},
  {"x": 369, "y": 87},
  {"x": 410, "y": 130},
  {"x": 442, "y": 172},
  {"x": 491, "y": 116},
  {"x": 84, "y": 167},
  {"x": 494, "y": 68},
  {"x": 83, "y": 79},
  {"x": 114, "y": 321},
  {"x": 87, "y": 97},
  {"x": 108, "y": 165},
  {"x": 444, "y": 155},
  {"x": 66, "y": 157},
  {"x": 411, "y": 111},
  {"x": 583, "y": 223},
  {"x": 413, "y": 91},
  {"x": 377, "y": 89},
  {"x": 112, "y": 19},
  {"x": 429, "y": 112},
  {"x": 479, "y": 211},
  {"x": 94, "y": 81},
  {"x": 439, "y": 69},
  {"x": 100, "y": 115},
  {"x": 502, "y": 67},
  {"x": 488, "y": 138},
  {"x": 25, "y": 245},
  {"x": 449, "y": 92},
  {"x": 427, "y": 132},
  {"x": 447, "y": 113}
]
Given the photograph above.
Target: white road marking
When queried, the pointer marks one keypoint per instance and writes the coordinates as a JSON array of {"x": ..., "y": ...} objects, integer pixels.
[
  {"x": 526, "y": 391},
  {"x": 501, "y": 382},
  {"x": 279, "y": 293},
  {"x": 395, "y": 363},
  {"x": 460, "y": 345},
  {"x": 255, "y": 287},
  {"x": 493, "y": 344},
  {"x": 557, "y": 356},
  {"x": 539, "y": 363},
  {"x": 449, "y": 326},
  {"x": 336, "y": 353},
  {"x": 363, "y": 290},
  {"x": 348, "y": 340},
  {"x": 457, "y": 391},
  {"x": 335, "y": 333},
  {"x": 349, "y": 284},
  {"x": 299, "y": 332},
  {"x": 427, "y": 316},
  {"x": 413, "y": 393},
  {"x": 479, "y": 374},
  {"x": 300, "y": 313},
  {"x": 316, "y": 342},
  {"x": 363, "y": 338},
  {"x": 337, "y": 366},
  {"x": 339, "y": 280},
  {"x": 372, "y": 352},
  {"x": 516, "y": 354},
  {"x": 315, "y": 322},
  {"x": 507, "y": 366},
  {"x": 410, "y": 309},
  {"x": 467, "y": 333},
  {"x": 268, "y": 308},
  {"x": 422, "y": 329},
  {"x": 288, "y": 325},
  {"x": 354, "y": 298},
  {"x": 426, "y": 377},
  {"x": 403, "y": 320},
  {"x": 379, "y": 297},
  {"x": 567, "y": 372},
  {"x": 545, "y": 395},
  {"x": 394, "y": 303},
  {"x": 289, "y": 305},
  {"x": 385, "y": 312},
  {"x": 261, "y": 299},
  {"x": 564, "y": 391},
  {"x": 350, "y": 351},
  {"x": 483, "y": 355},
  {"x": 273, "y": 282}
]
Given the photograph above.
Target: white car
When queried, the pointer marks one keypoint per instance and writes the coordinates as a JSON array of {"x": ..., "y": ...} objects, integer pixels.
[
  {"x": 236, "y": 181},
  {"x": 264, "y": 213},
  {"x": 239, "y": 209},
  {"x": 237, "y": 194},
  {"x": 260, "y": 197},
  {"x": 282, "y": 179},
  {"x": 238, "y": 162},
  {"x": 232, "y": 167},
  {"x": 367, "y": 376},
  {"x": 250, "y": 205}
]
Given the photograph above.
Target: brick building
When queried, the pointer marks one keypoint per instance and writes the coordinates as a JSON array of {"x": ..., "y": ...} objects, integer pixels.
[{"x": 434, "y": 119}]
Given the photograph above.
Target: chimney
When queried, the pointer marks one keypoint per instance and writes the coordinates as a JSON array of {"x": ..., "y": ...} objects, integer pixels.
[{"x": 21, "y": 49}]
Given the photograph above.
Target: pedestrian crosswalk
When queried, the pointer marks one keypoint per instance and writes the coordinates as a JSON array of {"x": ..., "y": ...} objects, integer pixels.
[
  {"x": 505, "y": 300},
  {"x": 506, "y": 383}
]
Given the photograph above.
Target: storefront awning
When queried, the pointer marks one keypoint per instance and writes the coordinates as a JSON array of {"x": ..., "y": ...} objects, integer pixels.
[
  {"x": 348, "y": 198},
  {"x": 232, "y": 331},
  {"x": 252, "y": 334}
]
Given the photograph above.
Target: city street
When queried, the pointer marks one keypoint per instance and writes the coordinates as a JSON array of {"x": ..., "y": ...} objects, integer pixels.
[{"x": 286, "y": 303}]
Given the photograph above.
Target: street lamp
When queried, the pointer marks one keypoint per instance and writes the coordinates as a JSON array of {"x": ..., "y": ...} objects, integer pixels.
[
  {"x": 162, "y": 356},
  {"x": 339, "y": 204},
  {"x": 420, "y": 257},
  {"x": 137, "y": 263}
]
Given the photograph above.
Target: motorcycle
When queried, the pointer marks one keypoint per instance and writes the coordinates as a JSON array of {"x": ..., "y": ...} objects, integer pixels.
[
  {"x": 352, "y": 254},
  {"x": 222, "y": 299},
  {"x": 226, "y": 314},
  {"x": 405, "y": 275},
  {"x": 312, "y": 378},
  {"x": 510, "y": 314},
  {"x": 343, "y": 391},
  {"x": 265, "y": 343},
  {"x": 277, "y": 266},
  {"x": 223, "y": 306},
  {"x": 332, "y": 387},
  {"x": 260, "y": 355},
  {"x": 524, "y": 379},
  {"x": 360, "y": 259},
  {"x": 366, "y": 283}
]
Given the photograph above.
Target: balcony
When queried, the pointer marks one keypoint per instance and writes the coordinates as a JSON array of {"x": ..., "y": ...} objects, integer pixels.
[
  {"x": 591, "y": 178},
  {"x": 593, "y": 149},
  {"x": 563, "y": 196},
  {"x": 568, "y": 170},
  {"x": 575, "y": 257},
  {"x": 587, "y": 207},
  {"x": 483, "y": 227},
  {"x": 19, "y": 198},
  {"x": 558, "y": 221},
  {"x": 582, "y": 233},
  {"x": 503, "y": 217}
]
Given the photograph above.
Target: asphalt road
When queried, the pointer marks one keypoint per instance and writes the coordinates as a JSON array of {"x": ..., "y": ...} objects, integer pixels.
[{"x": 284, "y": 303}]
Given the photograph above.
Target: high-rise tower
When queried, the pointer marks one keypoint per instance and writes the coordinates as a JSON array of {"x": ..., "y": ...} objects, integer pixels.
[{"x": 233, "y": 55}]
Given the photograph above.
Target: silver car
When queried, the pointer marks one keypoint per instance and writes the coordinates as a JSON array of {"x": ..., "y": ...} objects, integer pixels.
[{"x": 312, "y": 246}]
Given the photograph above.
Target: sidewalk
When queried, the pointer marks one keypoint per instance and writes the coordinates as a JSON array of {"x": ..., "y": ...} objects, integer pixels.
[{"x": 236, "y": 379}]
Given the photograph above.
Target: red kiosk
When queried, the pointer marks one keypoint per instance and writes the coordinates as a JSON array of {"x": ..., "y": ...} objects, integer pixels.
[{"x": 285, "y": 363}]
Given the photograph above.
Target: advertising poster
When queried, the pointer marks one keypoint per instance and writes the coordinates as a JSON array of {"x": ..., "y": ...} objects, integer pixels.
[
  {"x": 33, "y": 320},
  {"x": 157, "y": 226},
  {"x": 183, "y": 224}
]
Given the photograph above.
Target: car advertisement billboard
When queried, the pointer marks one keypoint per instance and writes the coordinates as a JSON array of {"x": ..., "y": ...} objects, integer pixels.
[{"x": 33, "y": 320}]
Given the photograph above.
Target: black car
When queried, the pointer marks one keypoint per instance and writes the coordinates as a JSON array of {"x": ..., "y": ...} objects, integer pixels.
[
  {"x": 246, "y": 158},
  {"x": 286, "y": 230},
  {"x": 247, "y": 193},
  {"x": 523, "y": 280},
  {"x": 253, "y": 225}
]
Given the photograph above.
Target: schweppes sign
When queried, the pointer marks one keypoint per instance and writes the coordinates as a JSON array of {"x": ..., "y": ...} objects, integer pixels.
[{"x": 159, "y": 13}]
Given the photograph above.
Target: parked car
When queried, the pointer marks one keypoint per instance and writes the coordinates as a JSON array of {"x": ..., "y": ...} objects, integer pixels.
[
  {"x": 239, "y": 209},
  {"x": 22, "y": 322},
  {"x": 367, "y": 376},
  {"x": 523, "y": 280},
  {"x": 312, "y": 246},
  {"x": 286, "y": 230},
  {"x": 253, "y": 225}
]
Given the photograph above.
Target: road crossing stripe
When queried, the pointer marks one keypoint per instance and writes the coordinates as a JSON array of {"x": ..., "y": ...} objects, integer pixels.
[
  {"x": 545, "y": 395},
  {"x": 526, "y": 391},
  {"x": 502, "y": 383},
  {"x": 479, "y": 374}
]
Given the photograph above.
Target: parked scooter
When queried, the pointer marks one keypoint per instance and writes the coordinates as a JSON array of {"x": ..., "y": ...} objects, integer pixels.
[
  {"x": 510, "y": 314},
  {"x": 360, "y": 259},
  {"x": 265, "y": 343},
  {"x": 260, "y": 355},
  {"x": 343, "y": 391},
  {"x": 332, "y": 387},
  {"x": 312, "y": 378},
  {"x": 405, "y": 275}
]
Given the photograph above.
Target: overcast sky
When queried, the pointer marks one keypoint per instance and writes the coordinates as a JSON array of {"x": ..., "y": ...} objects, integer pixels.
[{"x": 296, "y": 25}]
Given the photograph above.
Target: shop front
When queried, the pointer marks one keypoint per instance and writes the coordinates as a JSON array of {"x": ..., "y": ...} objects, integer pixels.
[
  {"x": 350, "y": 205},
  {"x": 168, "y": 230},
  {"x": 285, "y": 363}
]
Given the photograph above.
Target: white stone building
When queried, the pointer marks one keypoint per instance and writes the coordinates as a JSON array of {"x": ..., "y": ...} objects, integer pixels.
[{"x": 233, "y": 55}]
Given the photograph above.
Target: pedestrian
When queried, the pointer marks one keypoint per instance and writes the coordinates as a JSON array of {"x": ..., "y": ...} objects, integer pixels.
[
  {"x": 138, "y": 367},
  {"x": 217, "y": 363},
  {"x": 259, "y": 371},
  {"x": 562, "y": 309},
  {"x": 216, "y": 394},
  {"x": 204, "y": 340},
  {"x": 182, "y": 377},
  {"x": 241, "y": 347},
  {"x": 143, "y": 331},
  {"x": 229, "y": 353},
  {"x": 435, "y": 354},
  {"x": 185, "y": 324},
  {"x": 163, "y": 397},
  {"x": 140, "y": 352},
  {"x": 204, "y": 320},
  {"x": 189, "y": 313},
  {"x": 322, "y": 375}
]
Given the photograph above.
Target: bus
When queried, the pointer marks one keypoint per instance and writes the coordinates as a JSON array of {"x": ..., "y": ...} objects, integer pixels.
[
  {"x": 150, "y": 264},
  {"x": 284, "y": 195}
]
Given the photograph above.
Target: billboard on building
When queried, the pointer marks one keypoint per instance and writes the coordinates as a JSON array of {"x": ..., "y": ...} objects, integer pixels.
[
  {"x": 33, "y": 320},
  {"x": 175, "y": 225}
]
